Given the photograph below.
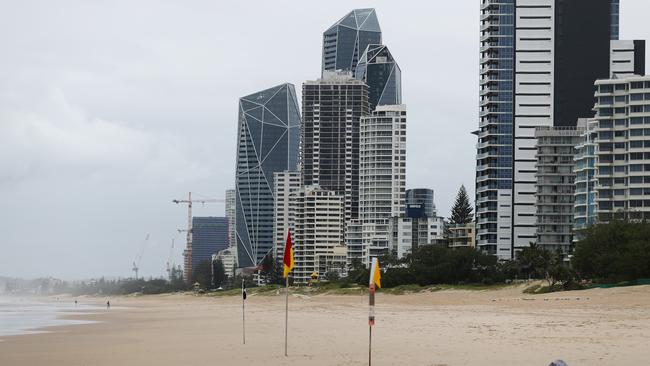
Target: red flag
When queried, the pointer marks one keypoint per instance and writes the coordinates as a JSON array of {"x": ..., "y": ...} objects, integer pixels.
[{"x": 288, "y": 255}]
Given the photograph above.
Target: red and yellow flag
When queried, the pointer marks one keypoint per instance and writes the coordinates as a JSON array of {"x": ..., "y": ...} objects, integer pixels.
[
  {"x": 288, "y": 255},
  {"x": 375, "y": 273}
]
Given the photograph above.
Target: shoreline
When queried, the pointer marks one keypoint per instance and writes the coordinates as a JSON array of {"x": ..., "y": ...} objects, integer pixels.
[{"x": 594, "y": 327}]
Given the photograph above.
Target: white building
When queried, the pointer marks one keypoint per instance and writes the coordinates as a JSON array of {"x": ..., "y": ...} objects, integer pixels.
[
  {"x": 413, "y": 232},
  {"x": 622, "y": 164},
  {"x": 230, "y": 215},
  {"x": 627, "y": 57},
  {"x": 533, "y": 74},
  {"x": 284, "y": 184},
  {"x": 228, "y": 257},
  {"x": 382, "y": 176},
  {"x": 318, "y": 217}
]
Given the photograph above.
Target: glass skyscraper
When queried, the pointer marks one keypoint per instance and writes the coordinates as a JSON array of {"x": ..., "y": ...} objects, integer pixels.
[
  {"x": 378, "y": 69},
  {"x": 209, "y": 236},
  {"x": 268, "y": 142},
  {"x": 345, "y": 41}
]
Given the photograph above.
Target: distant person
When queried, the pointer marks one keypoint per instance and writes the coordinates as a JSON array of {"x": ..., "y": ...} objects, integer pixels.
[
  {"x": 108, "y": 305},
  {"x": 558, "y": 363},
  {"x": 75, "y": 303}
]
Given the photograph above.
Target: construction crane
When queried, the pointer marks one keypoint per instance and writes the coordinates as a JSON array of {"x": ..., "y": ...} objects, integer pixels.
[
  {"x": 169, "y": 260},
  {"x": 138, "y": 258},
  {"x": 187, "y": 253}
]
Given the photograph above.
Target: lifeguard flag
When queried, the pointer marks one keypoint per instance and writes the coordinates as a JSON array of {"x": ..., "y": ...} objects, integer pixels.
[
  {"x": 375, "y": 273},
  {"x": 288, "y": 255}
]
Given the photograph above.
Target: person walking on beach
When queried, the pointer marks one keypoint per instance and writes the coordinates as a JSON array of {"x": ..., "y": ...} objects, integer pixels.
[{"x": 108, "y": 305}]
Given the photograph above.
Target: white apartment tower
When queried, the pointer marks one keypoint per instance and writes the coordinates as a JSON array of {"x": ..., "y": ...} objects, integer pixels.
[
  {"x": 284, "y": 185},
  {"x": 317, "y": 216},
  {"x": 382, "y": 176}
]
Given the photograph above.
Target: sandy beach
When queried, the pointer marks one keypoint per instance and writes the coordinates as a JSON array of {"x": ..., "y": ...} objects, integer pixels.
[{"x": 451, "y": 327}]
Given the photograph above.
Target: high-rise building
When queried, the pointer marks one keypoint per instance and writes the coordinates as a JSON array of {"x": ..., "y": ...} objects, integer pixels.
[
  {"x": 382, "y": 176},
  {"x": 627, "y": 57},
  {"x": 209, "y": 236},
  {"x": 533, "y": 73},
  {"x": 422, "y": 196},
  {"x": 268, "y": 142},
  {"x": 345, "y": 41},
  {"x": 556, "y": 149},
  {"x": 284, "y": 185},
  {"x": 585, "y": 168},
  {"x": 230, "y": 215},
  {"x": 332, "y": 108},
  {"x": 378, "y": 69},
  {"x": 317, "y": 216},
  {"x": 622, "y": 164}
]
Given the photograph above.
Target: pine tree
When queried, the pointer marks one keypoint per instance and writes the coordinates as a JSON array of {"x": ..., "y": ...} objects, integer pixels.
[{"x": 462, "y": 211}]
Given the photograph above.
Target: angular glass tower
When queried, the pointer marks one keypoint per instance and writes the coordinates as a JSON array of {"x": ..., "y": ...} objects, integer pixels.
[
  {"x": 269, "y": 137},
  {"x": 345, "y": 41},
  {"x": 378, "y": 69}
]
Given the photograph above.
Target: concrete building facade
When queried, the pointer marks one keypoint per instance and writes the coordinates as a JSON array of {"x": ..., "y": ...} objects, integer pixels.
[
  {"x": 284, "y": 185},
  {"x": 317, "y": 216},
  {"x": 555, "y": 197},
  {"x": 332, "y": 108}
]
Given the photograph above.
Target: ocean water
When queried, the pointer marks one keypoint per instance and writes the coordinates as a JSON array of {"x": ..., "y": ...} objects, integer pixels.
[{"x": 24, "y": 315}]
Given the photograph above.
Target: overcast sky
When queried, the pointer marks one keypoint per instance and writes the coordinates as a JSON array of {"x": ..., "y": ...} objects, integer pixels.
[{"x": 111, "y": 109}]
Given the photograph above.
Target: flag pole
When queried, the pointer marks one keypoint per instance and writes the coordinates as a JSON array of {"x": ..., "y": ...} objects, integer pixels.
[
  {"x": 371, "y": 319},
  {"x": 369, "y": 345},
  {"x": 286, "y": 316},
  {"x": 243, "y": 312}
]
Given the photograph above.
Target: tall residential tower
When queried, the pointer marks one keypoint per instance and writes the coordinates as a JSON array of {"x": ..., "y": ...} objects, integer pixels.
[
  {"x": 539, "y": 60},
  {"x": 332, "y": 108}
]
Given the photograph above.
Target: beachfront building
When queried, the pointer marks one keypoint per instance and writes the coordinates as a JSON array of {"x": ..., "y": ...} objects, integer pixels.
[
  {"x": 585, "y": 169},
  {"x": 461, "y": 235},
  {"x": 622, "y": 165},
  {"x": 382, "y": 176},
  {"x": 317, "y": 217},
  {"x": 209, "y": 236},
  {"x": 346, "y": 40},
  {"x": 555, "y": 197},
  {"x": 332, "y": 108},
  {"x": 532, "y": 73},
  {"x": 334, "y": 262},
  {"x": 284, "y": 185},
  {"x": 268, "y": 142},
  {"x": 414, "y": 230},
  {"x": 378, "y": 69}
]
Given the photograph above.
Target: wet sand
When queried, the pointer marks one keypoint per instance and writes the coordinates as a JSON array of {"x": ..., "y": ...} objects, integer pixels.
[{"x": 452, "y": 327}]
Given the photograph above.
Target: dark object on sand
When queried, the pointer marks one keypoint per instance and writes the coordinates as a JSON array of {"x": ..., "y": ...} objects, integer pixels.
[{"x": 558, "y": 363}]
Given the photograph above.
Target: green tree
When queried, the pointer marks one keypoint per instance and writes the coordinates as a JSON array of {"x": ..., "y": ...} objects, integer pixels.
[
  {"x": 218, "y": 273},
  {"x": 203, "y": 274},
  {"x": 614, "y": 252},
  {"x": 534, "y": 261},
  {"x": 462, "y": 211}
]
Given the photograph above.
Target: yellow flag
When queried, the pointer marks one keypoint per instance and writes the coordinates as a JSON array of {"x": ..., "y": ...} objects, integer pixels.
[{"x": 375, "y": 273}]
